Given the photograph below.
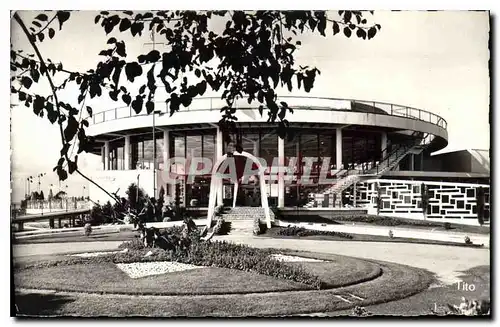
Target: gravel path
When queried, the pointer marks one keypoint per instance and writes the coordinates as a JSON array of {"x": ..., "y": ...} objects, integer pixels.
[{"x": 143, "y": 269}]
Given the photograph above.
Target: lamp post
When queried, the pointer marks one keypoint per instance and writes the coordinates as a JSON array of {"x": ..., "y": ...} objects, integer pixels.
[{"x": 160, "y": 113}]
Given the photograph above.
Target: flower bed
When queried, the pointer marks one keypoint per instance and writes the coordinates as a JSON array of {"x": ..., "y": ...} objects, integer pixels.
[
  {"x": 199, "y": 253},
  {"x": 301, "y": 231}
]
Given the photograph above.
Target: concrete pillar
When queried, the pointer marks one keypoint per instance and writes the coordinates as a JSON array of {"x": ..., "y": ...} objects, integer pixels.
[
  {"x": 281, "y": 177},
  {"x": 383, "y": 144},
  {"x": 218, "y": 155},
  {"x": 338, "y": 148},
  {"x": 412, "y": 162},
  {"x": 127, "y": 152},
  {"x": 102, "y": 159},
  {"x": 106, "y": 155},
  {"x": 166, "y": 150},
  {"x": 354, "y": 195}
]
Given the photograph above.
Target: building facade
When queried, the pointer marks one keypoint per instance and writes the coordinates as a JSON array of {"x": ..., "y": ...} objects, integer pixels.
[{"x": 348, "y": 142}]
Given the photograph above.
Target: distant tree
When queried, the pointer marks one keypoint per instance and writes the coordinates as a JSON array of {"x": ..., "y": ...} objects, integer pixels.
[
  {"x": 247, "y": 59},
  {"x": 51, "y": 196},
  {"x": 160, "y": 202},
  {"x": 59, "y": 195},
  {"x": 41, "y": 196},
  {"x": 136, "y": 197}
]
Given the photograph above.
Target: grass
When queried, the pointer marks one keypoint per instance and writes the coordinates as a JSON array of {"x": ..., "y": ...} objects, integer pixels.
[
  {"x": 273, "y": 232},
  {"x": 396, "y": 282},
  {"x": 107, "y": 278},
  {"x": 422, "y": 303},
  {"x": 386, "y": 221}
]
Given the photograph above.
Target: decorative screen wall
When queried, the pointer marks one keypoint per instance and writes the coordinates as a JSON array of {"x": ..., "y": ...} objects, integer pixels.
[{"x": 403, "y": 198}]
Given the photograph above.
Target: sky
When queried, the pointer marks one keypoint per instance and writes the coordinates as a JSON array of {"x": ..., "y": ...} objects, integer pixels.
[{"x": 436, "y": 61}]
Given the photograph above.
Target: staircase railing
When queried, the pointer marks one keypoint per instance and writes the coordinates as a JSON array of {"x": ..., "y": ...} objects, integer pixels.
[{"x": 394, "y": 154}]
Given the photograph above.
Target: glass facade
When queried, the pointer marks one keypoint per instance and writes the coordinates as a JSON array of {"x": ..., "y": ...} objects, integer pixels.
[{"x": 358, "y": 148}]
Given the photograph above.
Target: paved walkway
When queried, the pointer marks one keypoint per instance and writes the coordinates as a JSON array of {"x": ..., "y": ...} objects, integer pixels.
[{"x": 446, "y": 261}]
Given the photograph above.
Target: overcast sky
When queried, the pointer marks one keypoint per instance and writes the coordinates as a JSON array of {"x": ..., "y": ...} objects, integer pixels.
[{"x": 437, "y": 61}]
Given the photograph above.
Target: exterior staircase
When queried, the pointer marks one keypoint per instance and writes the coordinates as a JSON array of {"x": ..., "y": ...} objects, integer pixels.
[
  {"x": 242, "y": 219},
  {"x": 349, "y": 177}
]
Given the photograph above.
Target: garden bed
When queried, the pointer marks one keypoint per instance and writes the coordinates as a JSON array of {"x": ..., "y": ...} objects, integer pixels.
[
  {"x": 295, "y": 233},
  {"x": 386, "y": 221}
]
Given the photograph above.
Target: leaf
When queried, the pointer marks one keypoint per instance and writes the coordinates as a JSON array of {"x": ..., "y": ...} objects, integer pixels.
[
  {"x": 347, "y": 31},
  {"x": 35, "y": 75},
  {"x": 111, "y": 40},
  {"x": 89, "y": 111},
  {"x": 62, "y": 16},
  {"x": 153, "y": 56},
  {"x": 124, "y": 24},
  {"x": 336, "y": 28},
  {"x": 150, "y": 107},
  {"x": 71, "y": 166},
  {"x": 133, "y": 70},
  {"x": 127, "y": 99},
  {"x": 38, "y": 104},
  {"x": 361, "y": 33},
  {"x": 41, "y": 37},
  {"x": 96, "y": 19},
  {"x": 42, "y": 17},
  {"x": 71, "y": 128},
  {"x": 137, "y": 104},
  {"x": 37, "y": 24},
  {"x": 51, "y": 32},
  {"x": 63, "y": 175},
  {"x": 26, "y": 82},
  {"x": 371, "y": 32},
  {"x": 142, "y": 89}
]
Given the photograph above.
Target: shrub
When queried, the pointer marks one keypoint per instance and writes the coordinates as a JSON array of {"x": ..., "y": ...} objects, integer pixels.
[
  {"x": 391, "y": 234},
  {"x": 87, "y": 229},
  {"x": 134, "y": 244},
  {"x": 301, "y": 231},
  {"x": 256, "y": 227},
  {"x": 447, "y": 226},
  {"x": 225, "y": 255},
  {"x": 467, "y": 240},
  {"x": 222, "y": 227}
]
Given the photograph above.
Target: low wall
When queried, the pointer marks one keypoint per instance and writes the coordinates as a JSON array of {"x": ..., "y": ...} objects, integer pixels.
[{"x": 448, "y": 202}]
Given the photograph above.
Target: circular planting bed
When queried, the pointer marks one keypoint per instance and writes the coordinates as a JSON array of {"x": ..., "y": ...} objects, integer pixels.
[{"x": 136, "y": 282}]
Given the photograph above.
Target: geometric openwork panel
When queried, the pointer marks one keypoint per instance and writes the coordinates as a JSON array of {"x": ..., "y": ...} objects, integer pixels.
[{"x": 446, "y": 200}]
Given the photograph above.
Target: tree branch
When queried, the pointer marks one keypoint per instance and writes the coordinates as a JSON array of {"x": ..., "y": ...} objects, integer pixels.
[{"x": 42, "y": 62}]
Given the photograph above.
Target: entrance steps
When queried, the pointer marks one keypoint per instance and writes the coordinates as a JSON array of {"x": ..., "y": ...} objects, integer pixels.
[
  {"x": 242, "y": 219},
  {"x": 245, "y": 213}
]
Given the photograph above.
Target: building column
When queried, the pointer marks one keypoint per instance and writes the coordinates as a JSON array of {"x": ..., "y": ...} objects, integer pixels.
[
  {"x": 127, "y": 152},
  {"x": 281, "y": 177},
  {"x": 218, "y": 155},
  {"x": 102, "y": 160},
  {"x": 383, "y": 144},
  {"x": 338, "y": 148},
  {"x": 412, "y": 162},
  {"x": 106, "y": 155},
  {"x": 166, "y": 150}
]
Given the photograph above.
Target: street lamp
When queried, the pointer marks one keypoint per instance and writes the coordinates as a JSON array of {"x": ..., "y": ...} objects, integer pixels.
[{"x": 160, "y": 113}]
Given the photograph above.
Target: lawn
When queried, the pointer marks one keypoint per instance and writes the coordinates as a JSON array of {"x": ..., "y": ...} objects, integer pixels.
[
  {"x": 422, "y": 303},
  {"x": 396, "y": 282},
  {"x": 107, "y": 278}
]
